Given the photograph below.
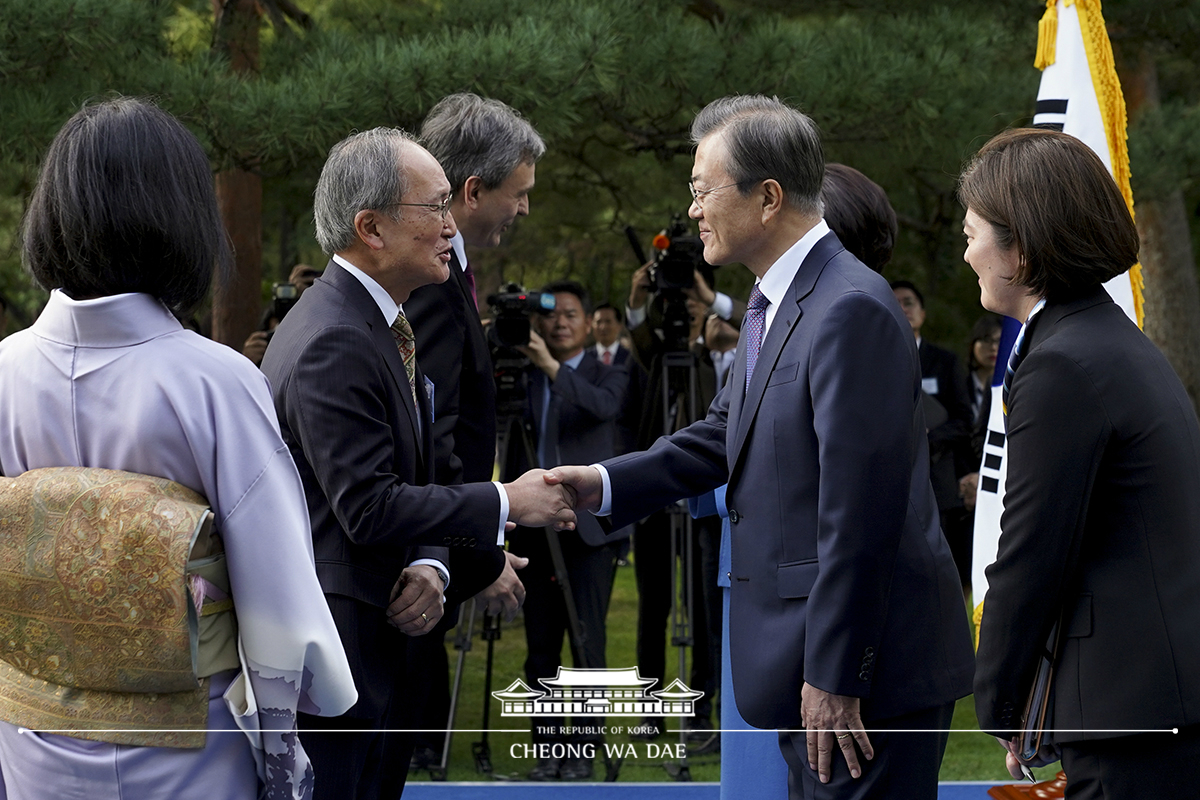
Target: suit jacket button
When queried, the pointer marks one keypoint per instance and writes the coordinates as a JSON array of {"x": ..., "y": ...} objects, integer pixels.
[
  {"x": 870, "y": 651},
  {"x": 734, "y": 516}
]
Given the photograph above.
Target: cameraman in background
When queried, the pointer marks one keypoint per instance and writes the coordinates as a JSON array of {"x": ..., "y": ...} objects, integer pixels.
[
  {"x": 670, "y": 301},
  {"x": 572, "y": 407},
  {"x": 283, "y": 297}
]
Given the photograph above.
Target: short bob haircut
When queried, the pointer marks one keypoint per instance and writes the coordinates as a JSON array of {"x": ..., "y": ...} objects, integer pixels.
[
  {"x": 767, "y": 139},
  {"x": 858, "y": 211},
  {"x": 470, "y": 135},
  {"x": 983, "y": 328},
  {"x": 1049, "y": 196},
  {"x": 125, "y": 203}
]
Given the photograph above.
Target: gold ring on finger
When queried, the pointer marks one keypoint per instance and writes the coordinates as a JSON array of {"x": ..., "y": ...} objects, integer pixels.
[
  {"x": 424, "y": 617},
  {"x": 841, "y": 736}
]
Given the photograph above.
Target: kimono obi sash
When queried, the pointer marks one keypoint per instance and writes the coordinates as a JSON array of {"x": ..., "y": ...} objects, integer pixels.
[{"x": 114, "y": 607}]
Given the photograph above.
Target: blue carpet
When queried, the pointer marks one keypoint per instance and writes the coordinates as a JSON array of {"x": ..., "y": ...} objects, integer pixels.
[{"x": 425, "y": 790}]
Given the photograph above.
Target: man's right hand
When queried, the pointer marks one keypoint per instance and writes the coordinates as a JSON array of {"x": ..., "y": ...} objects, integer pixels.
[
  {"x": 507, "y": 594},
  {"x": 585, "y": 482},
  {"x": 639, "y": 288},
  {"x": 536, "y": 499}
]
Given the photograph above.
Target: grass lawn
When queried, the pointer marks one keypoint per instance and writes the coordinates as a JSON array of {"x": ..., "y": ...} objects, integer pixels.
[{"x": 970, "y": 755}]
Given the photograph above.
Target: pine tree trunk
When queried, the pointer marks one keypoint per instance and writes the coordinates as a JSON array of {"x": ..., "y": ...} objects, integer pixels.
[
  {"x": 238, "y": 304},
  {"x": 1172, "y": 295}
]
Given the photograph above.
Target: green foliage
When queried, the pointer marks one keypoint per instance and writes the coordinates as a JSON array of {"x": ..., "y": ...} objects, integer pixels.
[{"x": 902, "y": 90}]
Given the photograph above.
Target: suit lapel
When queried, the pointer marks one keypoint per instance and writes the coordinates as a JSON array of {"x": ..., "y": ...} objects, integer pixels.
[
  {"x": 381, "y": 333},
  {"x": 744, "y": 405}
]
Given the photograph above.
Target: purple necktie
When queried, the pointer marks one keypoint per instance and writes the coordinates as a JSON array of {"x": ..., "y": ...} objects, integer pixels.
[{"x": 756, "y": 323}]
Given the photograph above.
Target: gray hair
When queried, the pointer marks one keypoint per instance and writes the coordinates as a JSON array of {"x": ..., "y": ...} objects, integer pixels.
[
  {"x": 470, "y": 135},
  {"x": 764, "y": 138},
  {"x": 363, "y": 171}
]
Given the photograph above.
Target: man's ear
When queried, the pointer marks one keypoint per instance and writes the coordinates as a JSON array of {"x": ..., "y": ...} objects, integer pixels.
[
  {"x": 366, "y": 225},
  {"x": 772, "y": 199},
  {"x": 472, "y": 187}
]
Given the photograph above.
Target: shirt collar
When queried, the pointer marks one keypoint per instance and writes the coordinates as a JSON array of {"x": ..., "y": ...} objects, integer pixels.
[
  {"x": 118, "y": 320},
  {"x": 573, "y": 361},
  {"x": 387, "y": 306},
  {"x": 779, "y": 276},
  {"x": 460, "y": 249}
]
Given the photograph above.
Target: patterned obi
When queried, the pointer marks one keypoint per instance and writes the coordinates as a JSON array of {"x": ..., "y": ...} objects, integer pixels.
[{"x": 114, "y": 607}]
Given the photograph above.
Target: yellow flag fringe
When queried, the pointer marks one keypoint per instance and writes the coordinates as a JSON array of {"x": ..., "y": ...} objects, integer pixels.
[{"x": 1047, "y": 36}]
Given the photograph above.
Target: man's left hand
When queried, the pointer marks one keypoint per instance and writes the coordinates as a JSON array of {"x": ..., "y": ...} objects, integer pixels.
[
  {"x": 416, "y": 602},
  {"x": 832, "y": 722}
]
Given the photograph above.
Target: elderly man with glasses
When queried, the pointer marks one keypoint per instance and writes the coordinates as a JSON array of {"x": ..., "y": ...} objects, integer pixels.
[{"x": 354, "y": 409}]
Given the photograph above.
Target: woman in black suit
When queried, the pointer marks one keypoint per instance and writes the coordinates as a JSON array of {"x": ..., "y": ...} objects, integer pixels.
[{"x": 1099, "y": 551}]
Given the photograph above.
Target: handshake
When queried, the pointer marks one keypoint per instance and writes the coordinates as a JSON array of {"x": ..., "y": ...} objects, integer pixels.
[{"x": 551, "y": 497}]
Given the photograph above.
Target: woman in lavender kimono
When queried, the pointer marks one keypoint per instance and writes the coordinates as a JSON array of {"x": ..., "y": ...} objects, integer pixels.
[{"x": 124, "y": 232}]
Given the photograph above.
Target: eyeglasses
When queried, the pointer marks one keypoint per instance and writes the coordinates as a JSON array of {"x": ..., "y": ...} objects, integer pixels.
[
  {"x": 989, "y": 341},
  {"x": 696, "y": 196},
  {"x": 441, "y": 208}
]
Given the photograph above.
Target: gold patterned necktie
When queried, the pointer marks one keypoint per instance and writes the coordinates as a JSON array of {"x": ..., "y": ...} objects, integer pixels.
[{"x": 406, "y": 343}]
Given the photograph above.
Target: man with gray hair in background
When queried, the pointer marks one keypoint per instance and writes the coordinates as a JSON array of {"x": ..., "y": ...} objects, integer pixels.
[
  {"x": 847, "y": 627},
  {"x": 354, "y": 410},
  {"x": 488, "y": 152}
]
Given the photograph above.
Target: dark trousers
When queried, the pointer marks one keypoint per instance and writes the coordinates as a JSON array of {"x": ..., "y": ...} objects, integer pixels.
[
  {"x": 1162, "y": 766},
  {"x": 652, "y": 566},
  {"x": 905, "y": 765},
  {"x": 590, "y": 571},
  {"x": 428, "y": 703},
  {"x": 371, "y": 764}
]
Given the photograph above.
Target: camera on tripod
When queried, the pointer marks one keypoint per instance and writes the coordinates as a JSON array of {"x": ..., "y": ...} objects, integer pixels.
[{"x": 512, "y": 307}]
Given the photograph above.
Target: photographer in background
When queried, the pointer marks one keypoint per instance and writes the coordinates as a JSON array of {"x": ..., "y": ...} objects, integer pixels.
[
  {"x": 572, "y": 407},
  {"x": 283, "y": 297}
]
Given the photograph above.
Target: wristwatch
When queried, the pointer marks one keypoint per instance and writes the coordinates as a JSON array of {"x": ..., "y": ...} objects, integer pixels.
[{"x": 441, "y": 573}]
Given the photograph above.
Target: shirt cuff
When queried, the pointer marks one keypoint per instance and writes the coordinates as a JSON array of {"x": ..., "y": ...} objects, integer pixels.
[
  {"x": 433, "y": 562},
  {"x": 722, "y": 306},
  {"x": 636, "y": 316},
  {"x": 606, "y": 495},
  {"x": 503, "y": 512}
]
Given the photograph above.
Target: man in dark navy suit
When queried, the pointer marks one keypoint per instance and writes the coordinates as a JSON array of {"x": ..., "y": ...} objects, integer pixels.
[
  {"x": 354, "y": 409},
  {"x": 489, "y": 153},
  {"x": 846, "y": 615}
]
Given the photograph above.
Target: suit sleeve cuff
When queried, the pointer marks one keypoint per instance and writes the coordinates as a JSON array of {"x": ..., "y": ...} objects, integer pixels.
[
  {"x": 433, "y": 562},
  {"x": 606, "y": 495},
  {"x": 634, "y": 317},
  {"x": 503, "y": 512}
]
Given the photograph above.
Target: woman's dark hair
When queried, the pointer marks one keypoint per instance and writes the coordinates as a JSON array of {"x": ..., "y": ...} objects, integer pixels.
[
  {"x": 984, "y": 327},
  {"x": 1049, "y": 196},
  {"x": 858, "y": 211},
  {"x": 125, "y": 203}
]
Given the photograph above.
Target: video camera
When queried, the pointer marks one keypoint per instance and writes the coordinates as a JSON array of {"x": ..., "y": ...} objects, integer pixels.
[
  {"x": 283, "y": 297},
  {"x": 512, "y": 307},
  {"x": 680, "y": 254}
]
